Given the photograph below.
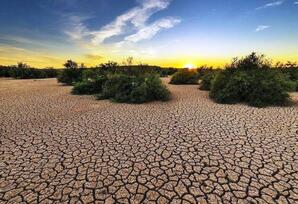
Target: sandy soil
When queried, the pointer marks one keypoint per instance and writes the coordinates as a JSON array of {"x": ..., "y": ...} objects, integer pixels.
[{"x": 60, "y": 148}]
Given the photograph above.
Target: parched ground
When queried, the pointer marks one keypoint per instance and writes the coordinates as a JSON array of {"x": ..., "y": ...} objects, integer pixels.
[{"x": 60, "y": 148}]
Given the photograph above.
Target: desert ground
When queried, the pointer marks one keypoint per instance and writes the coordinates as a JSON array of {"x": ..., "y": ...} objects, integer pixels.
[{"x": 59, "y": 148}]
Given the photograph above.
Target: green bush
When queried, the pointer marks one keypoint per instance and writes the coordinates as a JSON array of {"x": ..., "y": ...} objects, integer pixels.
[
  {"x": 155, "y": 89},
  {"x": 118, "y": 84},
  {"x": 204, "y": 70},
  {"x": 5, "y": 71},
  {"x": 291, "y": 70},
  {"x": 70, "y": 76},
  {"x": 89, "y": 87},
  {"x": 185, "y": 77},
  {"x": 206, "y": 80},
  {"x": 82, "y": 88},
  {"x": 92, "y": 73},
  {"x": 252, "y": 80},
  {"x": 50, "y": 73},
  {"x": 134, "y": 89},
  {"x": 230, "y": 86},
  {"x": 268, "y": 87},
  {"x": 251, "y": 62},
  {"x": 258, "y": 88}
]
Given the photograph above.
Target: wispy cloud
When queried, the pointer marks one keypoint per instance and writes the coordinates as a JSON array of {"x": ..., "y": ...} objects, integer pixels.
[
  {"x": 149, "y": 31},
  {"x": 261, "y": 28},
  {"x": 272, "y": 4},
  {"x": 296, "y": 2},
  {"x": 134, "y": 19},
  {"x": 78, "y": 30}
]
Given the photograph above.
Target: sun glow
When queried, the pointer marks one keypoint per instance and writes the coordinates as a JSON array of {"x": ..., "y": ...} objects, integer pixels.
[{"x": 190, "y": 66}]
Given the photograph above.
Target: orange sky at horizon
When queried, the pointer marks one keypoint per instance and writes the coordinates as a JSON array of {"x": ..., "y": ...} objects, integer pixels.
[{"x": 57, "y": 62}]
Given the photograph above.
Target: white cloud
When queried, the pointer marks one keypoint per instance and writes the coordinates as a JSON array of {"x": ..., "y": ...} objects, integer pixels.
[
  {"x": 136, "y": 17},
  {"x": 296, "y": 2},
  {"x": 78, "y": 30},
  {"x": 272, "y": 4},
  {"x": 261, "y": 28},
  {"x": 149, "y": 31}
]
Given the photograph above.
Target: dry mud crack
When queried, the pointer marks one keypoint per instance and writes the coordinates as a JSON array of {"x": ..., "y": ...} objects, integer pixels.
[{"x": 59, "y": 148}]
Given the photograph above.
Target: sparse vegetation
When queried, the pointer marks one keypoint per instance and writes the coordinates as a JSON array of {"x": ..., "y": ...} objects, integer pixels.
[
  {"x": 71, "y": 74},
  {"x": 24, "y": 71},
  {"x": 207, "y": 80},
  {"x": 134, "y": 89},
  {"x": 125, "y": 84},
  {"x": 253, "y": 81},
  {"x": 185, "y": 76},
  {"x": 129, "y": 86},
  {"x": 89, "y": 87},
  {"x": 291, "y": 70}
]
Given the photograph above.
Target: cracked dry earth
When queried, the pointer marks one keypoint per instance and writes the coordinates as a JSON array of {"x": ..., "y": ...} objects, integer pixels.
[{"x": 60, "y": 148}]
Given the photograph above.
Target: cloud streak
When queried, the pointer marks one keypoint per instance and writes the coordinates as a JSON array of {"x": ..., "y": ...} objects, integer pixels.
[
  {"x": 272, "y": 4},
  {"x": 150, "y": 31},
  {"x": 261, "y": 28},
  {"x": 135, "y": 19}
]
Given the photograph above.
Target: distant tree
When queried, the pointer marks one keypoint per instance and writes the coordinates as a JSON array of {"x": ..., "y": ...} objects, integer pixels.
[
  {"x": 82, "y": 66},
  {"x": 109, "y": 64},
  {"x": 288, "y": 64},
  {"x": 22, "y": 65},
  {"x": 70, "y": 64},
  {"x": 129, "y": 61}
]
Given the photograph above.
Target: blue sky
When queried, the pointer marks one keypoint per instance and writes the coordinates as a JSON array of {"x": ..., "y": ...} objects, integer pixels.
[{"x": 162, "y": 32}]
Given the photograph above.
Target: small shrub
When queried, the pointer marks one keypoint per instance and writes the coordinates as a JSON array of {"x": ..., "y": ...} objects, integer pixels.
[
  {"x": 89, "y": 87},
  {"x": 268, "y": 87},
  {"x": 185, "y": 77},
  {"x": 50, "y": 73},
  {"x": 134, "y": 89},
  {"x": 251, "y": 62},
  {"x": 118, "y": 84},
  {"x": 155, "y": 89},
  {"x": 253, "y": 81},
  {"x": 203, "y": 70},
  {"x": 70, "y": 76},
  {"x": 230, "y": 87},
  {"x": 258, "y": 88},
  {"x": 82, "y": 88},
  {"x": 291, "y": 70},
  {"x": 5, "y": 71},
  {"x": 92, "y": 73},
  {"x": 206, "y": 80}
]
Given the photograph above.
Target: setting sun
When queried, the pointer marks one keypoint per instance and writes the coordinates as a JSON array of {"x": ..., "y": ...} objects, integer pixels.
[{"x": 189, "y": 66}]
